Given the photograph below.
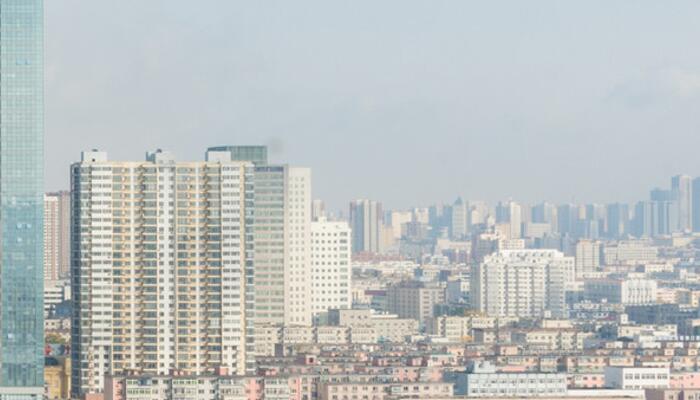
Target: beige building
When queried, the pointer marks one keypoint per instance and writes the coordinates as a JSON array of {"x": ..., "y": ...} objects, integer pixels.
[
  {"x": 414, "y": 300},
  {"x": 367, "y": 326},
  {"x": 57, "y": 378},
  {"x": 56, "y": 235},
  {"x": 552, "y": 339},
  {"x": 460, "y": 328},
  {"x": 163, "y": 266},
  {"x": 587, "y": 258}
]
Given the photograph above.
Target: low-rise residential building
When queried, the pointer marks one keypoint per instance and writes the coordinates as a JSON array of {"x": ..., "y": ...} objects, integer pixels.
[
  {"x": 459, "y": 328},
  {"x": 552, "y": 339},
  {"x": 483, "y": 381},
  {"x": 637, "y": 377},
  {"x": 414, "y": 300},
  {"x": 384, "y": 391}
]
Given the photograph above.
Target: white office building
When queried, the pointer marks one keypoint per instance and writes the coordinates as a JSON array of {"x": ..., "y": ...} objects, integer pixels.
[{"x": 331, "y": 271}]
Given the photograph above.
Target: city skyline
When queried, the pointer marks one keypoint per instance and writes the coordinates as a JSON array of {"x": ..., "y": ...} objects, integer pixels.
[
  {"x": 349, "y": 200},
  {"x": 562, "y": 113},
  {"x": 342, "y": 205}
]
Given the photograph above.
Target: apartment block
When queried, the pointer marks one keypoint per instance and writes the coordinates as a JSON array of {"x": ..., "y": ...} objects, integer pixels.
[
  {"x": 587, "y": 258},
  {"x": 382, "y": 391},
  {"x": 331, "y": 277},
  {"x": 162, "y": 265},
  {"x": 522, "y": 283},
  {"x": 483, "y": 381}
]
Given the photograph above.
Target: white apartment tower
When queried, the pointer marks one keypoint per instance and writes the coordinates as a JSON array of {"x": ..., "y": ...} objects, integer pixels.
[
  {"x": 297, "y": 280},
  {"x": 56, "y": 235},
  {"x": 522, "y": 283},
  {"x": 331, "y": 270},
  {"x": 162, "y": 266}
]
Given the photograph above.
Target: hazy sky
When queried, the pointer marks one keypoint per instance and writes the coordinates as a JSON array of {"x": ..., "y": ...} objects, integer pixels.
[{"x": 408, "y": 102}]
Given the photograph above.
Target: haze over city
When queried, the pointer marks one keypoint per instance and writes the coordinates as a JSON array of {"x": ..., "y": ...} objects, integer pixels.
[
  {"x": 405, "y": 101},
  {"x": 325, "y": 200}
]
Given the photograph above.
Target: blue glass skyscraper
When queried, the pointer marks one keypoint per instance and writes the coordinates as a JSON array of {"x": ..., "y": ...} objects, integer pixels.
[{"x": 21, "y": 199}]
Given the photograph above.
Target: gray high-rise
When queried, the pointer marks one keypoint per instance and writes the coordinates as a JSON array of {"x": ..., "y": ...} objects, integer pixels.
[
  {"x": 696, "y": 204},
  {"x": 367, "y": 222},
  {"x": 21, "y": 199},
  {"x": 681, "y": 186}
]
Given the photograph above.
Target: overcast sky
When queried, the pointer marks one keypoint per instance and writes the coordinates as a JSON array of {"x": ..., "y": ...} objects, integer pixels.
[{"x": 407, "y": 102}]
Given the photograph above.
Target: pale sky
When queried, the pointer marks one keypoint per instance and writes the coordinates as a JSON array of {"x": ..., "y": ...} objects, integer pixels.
[{"x": 407, "y": 102}]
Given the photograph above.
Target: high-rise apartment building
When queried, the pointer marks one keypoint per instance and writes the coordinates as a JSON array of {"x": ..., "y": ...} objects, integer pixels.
[
  {"x": 399, "y": 221},
  {"x": 282, "y": 238},
  {"x": 642, "y": 224},
  {"x": 331, "y": 272},
  {"x": 460, "y": 219},
  {"x": 522, "y": 283},
  {"x": 665, "y": 212},
  {"x": 298, "y": 272},
  {"x": 695, "y": 207},
  {"x": 617, "y": 220},
  {"x": 567, "y": 215},
  {"x": 681, "y": 185},
  {"x": 367, "y": 224},
  {"x": 543, "y": 213},
  {"x": 22, "y": 199},
  {"x": 588, "y": 254},
  {"x": 510, "y": 212},
  {"x": 440, "y": 220},
  {"x": 56, "y": 235},
  {"x": 162, "y": 266}
]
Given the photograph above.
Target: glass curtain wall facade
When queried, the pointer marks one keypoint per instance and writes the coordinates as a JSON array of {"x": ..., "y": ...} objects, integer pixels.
[{"x": 21, "y": 199}]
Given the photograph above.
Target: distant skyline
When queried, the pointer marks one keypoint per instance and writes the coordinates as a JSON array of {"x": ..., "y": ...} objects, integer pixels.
[{"x": 405, "y": 102}]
